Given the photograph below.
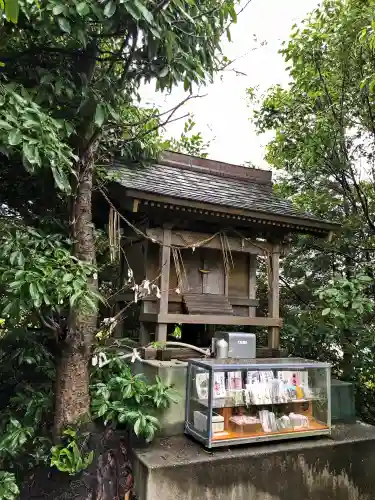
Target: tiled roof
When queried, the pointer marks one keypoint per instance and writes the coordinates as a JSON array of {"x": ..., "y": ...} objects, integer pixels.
[{"x": 182, "y": 183}]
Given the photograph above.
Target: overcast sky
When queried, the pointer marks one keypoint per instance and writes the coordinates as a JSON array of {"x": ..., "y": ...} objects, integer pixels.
[{"x": 223, "y": 115}]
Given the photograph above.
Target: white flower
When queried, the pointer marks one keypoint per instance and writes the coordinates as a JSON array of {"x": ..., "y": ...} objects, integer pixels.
[
  {"x": 178, "y": 291},
  {"x": 130, "y": 275},
  {"x": 95, "y": 276},
  {"x": 102, "y": 359},
  {"x": 157, "y": 291},
  {"x": 146, "y": 286},
  {"x": 135, "y": 356},
  {"x": 136, "y": 292},
  {"x": 94, "y": 360}
]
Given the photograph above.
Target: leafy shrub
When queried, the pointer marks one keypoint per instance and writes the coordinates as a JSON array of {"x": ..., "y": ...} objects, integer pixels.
[
  {"x": 31, "y": 264},
  {"x": 118, "y": 396},
  {"x": 8, "y": 486},
  {"x": 27, "y": 373},
  {"x": 69, "y": 456}
]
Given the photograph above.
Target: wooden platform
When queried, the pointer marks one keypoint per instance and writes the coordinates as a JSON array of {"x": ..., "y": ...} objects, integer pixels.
[{"x": 210, "y": 319}]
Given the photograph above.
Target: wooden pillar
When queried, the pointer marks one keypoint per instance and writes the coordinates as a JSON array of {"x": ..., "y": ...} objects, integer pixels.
[
  {"x": 165, "y": 265},
  {"x": 274, "y": 296},
  {"x": 144, "y": 332},
  {"x": 252, "y": 283}
]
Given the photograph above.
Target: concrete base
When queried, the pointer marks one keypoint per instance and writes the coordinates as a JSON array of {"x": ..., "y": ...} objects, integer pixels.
[
  {"x": 341, "y": 468},
  {"x": 174, "y": 372}
]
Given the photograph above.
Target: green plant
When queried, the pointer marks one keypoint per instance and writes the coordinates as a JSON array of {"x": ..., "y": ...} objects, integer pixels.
[
  {"x": 177, "y": 332},
  {"x": 15, "y": 437},
  {"x": 68, "y": 456},
  {"x": 345, "y": 300},
  {"x": 323, "y": 129},
  {"x": 27, "y": 373},
  {"x": 31, "y": 265},
  {"x": 8, "y": 486},
  {"x": 190, "y": 142},
  {"x": 118, "y": 396},
  {"x": 158, "y": 345}
]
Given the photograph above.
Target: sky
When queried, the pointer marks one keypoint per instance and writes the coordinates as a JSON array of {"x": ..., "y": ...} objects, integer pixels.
[{"x": 222, "y": 116}]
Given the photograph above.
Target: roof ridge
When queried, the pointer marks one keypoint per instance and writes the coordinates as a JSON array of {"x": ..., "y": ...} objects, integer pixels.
[{"x": 216, "y": 168}]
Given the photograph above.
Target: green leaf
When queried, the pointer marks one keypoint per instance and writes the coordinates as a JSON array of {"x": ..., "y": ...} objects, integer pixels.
[
  {"x": 132, "y": 11},
  {"x": 102, "y": 410},
  {"x": 14, "y": 137},
  {"x": 137, "y": 427},
  {"x": 20, "y": 260},
  {"x": 164, "y": 72},
  {"x": 58, "y": 9},
  {"x": 99, "y": 115},
  {"x": 64, "y": 24},
  {"x": 61, "y": 180},
  {"x": 110, "y": 8},
  {"x": 34, "y": 292},
  {"x": 12, "y": 10},
  {"x": 146, "y": 14},
  {"x": 326, "y": 311},
  {"x": 74, "y": 298},
  {"x": 13, "y": 257},
  {"x": 5, "y": 125},
  {"x": 81, "y": 35},
  {"x": 83, "y": 9}
]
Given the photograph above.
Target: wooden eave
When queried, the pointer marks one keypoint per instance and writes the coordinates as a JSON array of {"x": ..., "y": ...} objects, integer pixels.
[{"x": 294, "y": 224}]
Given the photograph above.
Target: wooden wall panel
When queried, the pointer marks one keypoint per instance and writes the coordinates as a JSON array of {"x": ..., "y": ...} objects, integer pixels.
[
  {"x": 213, "y": 281},
  {"x": 152, "y": 261},
  {"x": 135, "y": 256},
  {"x": 241, "y": 311},
  {"x": 192, "y": 262},
  {"x": 238, "y": 285}
]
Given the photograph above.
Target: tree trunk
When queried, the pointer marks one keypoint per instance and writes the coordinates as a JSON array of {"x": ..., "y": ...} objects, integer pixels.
[{"x": 72, "y": 387}]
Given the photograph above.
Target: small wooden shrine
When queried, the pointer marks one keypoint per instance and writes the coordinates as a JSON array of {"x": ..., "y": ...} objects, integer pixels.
[{"x": 195, "y": 227}]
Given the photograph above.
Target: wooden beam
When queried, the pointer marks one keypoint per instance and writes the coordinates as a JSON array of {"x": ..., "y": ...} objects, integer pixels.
[
  {"x": 274, "y": 296},
  {"x": 266, "y": 218},
  {"x": 206, "y": 319},
  {"x": 243, "y": 301},
  {"x": 177, "y": 299},
  {"x": 165, "y": 265},
  {"x": 185, "y": 238},
  {"x": 185, "y": 353}
]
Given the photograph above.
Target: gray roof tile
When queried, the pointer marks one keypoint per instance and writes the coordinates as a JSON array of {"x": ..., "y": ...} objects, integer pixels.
[{"x": 205, "y": 187}]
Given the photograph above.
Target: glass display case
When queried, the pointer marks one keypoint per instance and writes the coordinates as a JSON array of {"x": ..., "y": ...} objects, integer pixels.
[{"x": 237, "y": 401}]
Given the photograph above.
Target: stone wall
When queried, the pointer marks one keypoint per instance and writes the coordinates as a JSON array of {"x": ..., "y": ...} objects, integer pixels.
[{"x": 341, "y": 468}]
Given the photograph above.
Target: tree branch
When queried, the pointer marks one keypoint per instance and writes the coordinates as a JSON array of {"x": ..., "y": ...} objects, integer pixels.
[{"x": 130, "y": 57}]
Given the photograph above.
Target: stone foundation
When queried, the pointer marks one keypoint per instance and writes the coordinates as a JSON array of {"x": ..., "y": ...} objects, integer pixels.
[{"x": 341, "y": 468}]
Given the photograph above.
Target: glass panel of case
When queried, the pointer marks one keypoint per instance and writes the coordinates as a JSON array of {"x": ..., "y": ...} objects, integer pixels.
[
  {"x": 258, "y": 402},
  {"x": 197, "y": 415}
]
